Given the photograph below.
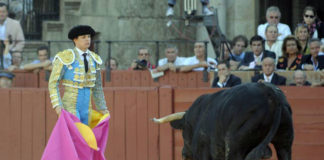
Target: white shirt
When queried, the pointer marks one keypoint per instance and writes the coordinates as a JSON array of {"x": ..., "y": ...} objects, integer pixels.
[
  {"x": 193, "y": 60},
  {"x": 283, "y": 30},
  {"x": 276, "y": 48},
  {"x": 81, "y": 53},
  {"x": 268, "y": 79},
  {"x": 3, "y": 30},
  {"x": 178, "y": 61},
  {"x": 253, "y": 63}
]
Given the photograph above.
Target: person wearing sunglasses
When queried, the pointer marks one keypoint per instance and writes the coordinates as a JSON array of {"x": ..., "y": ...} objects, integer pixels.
[
  {"x": 273, "y": 18},
  {"x": 315, "y": 26}
]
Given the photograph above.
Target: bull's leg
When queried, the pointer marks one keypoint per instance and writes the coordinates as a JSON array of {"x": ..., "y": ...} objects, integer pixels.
[
  {"x": 283, "y": 152},
  {"x": 284, "y": 137}
]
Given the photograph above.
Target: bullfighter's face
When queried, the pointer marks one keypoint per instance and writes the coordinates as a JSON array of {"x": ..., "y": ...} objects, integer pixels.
[{"x": 82, "y": 42}]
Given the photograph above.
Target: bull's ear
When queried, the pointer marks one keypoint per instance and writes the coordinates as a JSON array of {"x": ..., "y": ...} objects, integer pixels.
[{"x": 177, "y": 124}]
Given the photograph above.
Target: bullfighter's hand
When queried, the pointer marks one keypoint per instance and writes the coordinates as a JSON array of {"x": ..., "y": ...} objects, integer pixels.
[
  {"x": 58, "y": 110},
  {"x": 104, "y": 111}
]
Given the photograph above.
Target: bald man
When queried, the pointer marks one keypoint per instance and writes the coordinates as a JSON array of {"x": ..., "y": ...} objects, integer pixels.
[
  {"x": 268, "y": 75},
  {"x": 300, "y": 79}
]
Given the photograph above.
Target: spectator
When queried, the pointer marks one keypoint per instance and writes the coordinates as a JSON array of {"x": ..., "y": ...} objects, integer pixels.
[
  {"x": 291, "y": 58},
  {"x": 268, "y": 75},
  {"x": 252, "y": 60},
  {"x": 113, "y": 63},
  {"x": 6, "y": 79},
  {"x": 171, "y": 3},
  {"x": 302, "y": 35},
  {"x": 225, "y": 78},
  {"x": 300, "y": 79},
  {"x": 11, "y": 30},
  {"x": 6, "y": 57},
  {"x": 315, "y": 60},
  {"x": 16, "y": 61},
  {"x": 198, "y": 62},
  {"x": 43, "y": 61},
  {"x": 240, "y": 43},
  {"x": 273, "y": 16},
  {"x": 315, "y": 26},
  {"x": 172, "y": 61},
  {"x": 272, "y": 44},
  {"x": 143, "y": 60},
  {"x": 321, "y": 80}
]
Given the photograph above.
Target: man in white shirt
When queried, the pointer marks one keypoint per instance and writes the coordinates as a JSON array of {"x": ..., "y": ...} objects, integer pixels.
[
  {"x": 273, "y": 17},
  {"x": 171, "y": 61},
  {"x": 198, "y": 62}
]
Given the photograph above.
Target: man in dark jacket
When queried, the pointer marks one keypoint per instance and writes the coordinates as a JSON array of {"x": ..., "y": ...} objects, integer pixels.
[
  {"x": 224, "y": 77},
  {"x": 268, "y": 75},
  {"x": 252, "y": 60},
  {"x": 315, "y": 60}
]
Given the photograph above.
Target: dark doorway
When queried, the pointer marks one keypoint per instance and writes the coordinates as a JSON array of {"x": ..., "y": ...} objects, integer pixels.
[{"x": 291, "y": 10}]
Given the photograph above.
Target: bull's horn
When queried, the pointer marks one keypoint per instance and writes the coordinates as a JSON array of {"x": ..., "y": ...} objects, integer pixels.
[{"x": 169, "y": 118}]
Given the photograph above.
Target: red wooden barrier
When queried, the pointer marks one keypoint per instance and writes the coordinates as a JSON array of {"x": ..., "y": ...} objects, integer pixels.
[
  {"x": 28, "y": 119},
  {"x": 25, "y": 79}
]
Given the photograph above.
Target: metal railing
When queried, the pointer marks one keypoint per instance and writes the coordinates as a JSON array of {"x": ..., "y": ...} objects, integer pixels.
[
  {"x": 31, "y": 14},
  {"x": 95, "y": 47}
]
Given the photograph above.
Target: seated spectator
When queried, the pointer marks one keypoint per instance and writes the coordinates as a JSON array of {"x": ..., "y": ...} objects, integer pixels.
[
  {"x": 302, "y": 35},
  {"x": 268, "y": 75},
  {"x": 43, "y": 61},
  {"x": 273, "y": 16},
  {"x": 172, "y": 61},
  {"x": 314, "y": 61},
  {"x": 198, "y": 62},
  {"x": 321, "y": 80},
  {"x": 113, "y": 63},
  {"x": 171, "y": 3},
  {"x": 143, "y": 60},
  {"x": 272, "y": 44},
  {"x": 315, "y": 26},
  {"x": 300, "y": 79},
  {"x": 6, "y": 58},
  {"x": 225, "y": 78},
  {"x": 6, "y": 79},
  {"x": 16, "y": 62},
  {"x": 291, "y": 58},
  {"x": 11, "y": 30},
  {"x": 252, "y": 60},
  {"x": 240, "y": 43}
]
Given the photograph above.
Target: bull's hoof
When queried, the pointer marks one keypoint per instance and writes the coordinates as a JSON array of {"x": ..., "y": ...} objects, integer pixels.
[{"x": 267, "y": 153}]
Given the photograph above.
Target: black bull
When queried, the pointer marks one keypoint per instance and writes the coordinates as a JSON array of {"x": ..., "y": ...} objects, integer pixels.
[{"x": 237, "y": 124}]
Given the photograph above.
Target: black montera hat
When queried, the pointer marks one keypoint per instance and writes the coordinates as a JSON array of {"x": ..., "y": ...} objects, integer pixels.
[{"x": 80, "y": 30}]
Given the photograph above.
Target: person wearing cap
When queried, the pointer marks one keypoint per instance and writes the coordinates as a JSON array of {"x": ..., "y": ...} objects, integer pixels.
[
  {"x": 6, "y": 79},
  {"x": 78, "y": 70}
]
